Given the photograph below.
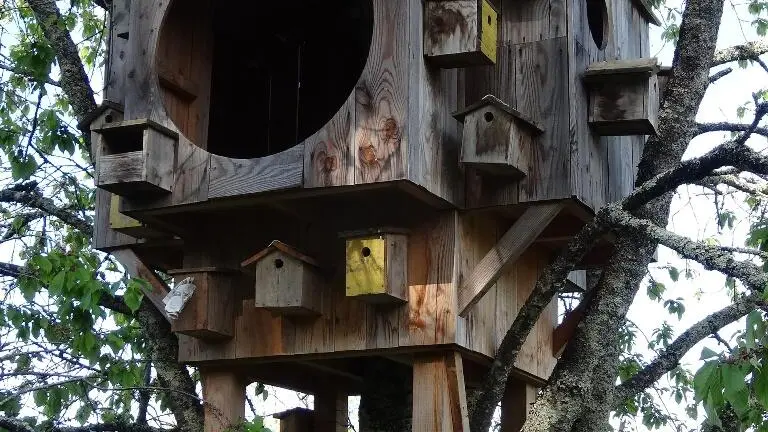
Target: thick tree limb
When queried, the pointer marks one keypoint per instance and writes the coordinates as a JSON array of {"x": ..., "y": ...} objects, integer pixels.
[
  {"x": 28, "y": 195},
  {"x": 747, "y": 51},
  {"x": 702, "y": 128},
  {"x": 670, "y": 357},
  {"x": 711, "y": 257},
  {"x": 74, "y": 79}
]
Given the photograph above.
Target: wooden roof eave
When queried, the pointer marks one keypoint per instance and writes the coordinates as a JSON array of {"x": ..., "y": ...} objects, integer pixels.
[
  {"x": 277, "y": 245},
  {"x": 498, "y": 103}
]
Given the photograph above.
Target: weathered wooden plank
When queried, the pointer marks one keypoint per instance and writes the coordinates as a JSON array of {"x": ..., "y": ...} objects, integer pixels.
[
  {"x": 439, "y": 398},
  {"x": 234, "y": 177},
  {"x": 511, "y": 245},
  {"x": 478, "y": 233},
  {"x": 381, "y": 98},
  {"x": 541, "y": 88},
  {"x": 433, "y": 136},
  {"x": 224, "y": 396},
  {"x": 115, "y": 73},
  {"x": 429, "y": 316},
  {"x": 329, "y": 159}
]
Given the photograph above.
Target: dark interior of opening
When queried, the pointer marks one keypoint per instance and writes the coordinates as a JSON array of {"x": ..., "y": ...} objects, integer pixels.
[
  {"x": 281, "y": 70},
  {"x": 597, "y": 18}
]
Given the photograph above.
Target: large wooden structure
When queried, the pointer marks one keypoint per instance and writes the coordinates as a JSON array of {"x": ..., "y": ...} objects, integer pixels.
[{"x": 401, "y": 231}]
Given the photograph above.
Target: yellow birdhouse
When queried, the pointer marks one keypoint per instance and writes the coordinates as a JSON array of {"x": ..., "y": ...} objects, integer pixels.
[{"x": 376, "y": 267}]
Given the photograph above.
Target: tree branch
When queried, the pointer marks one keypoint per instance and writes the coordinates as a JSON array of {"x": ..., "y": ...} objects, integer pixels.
[
  {"x": 711, "y": 257},
  {"x": 747, "y": 51},
  {"x": 670, "y": 357},
  {"x": 702, "y": 128},
  {"x": 74, "y": 79},
  {"x": 27, "y": 194}
]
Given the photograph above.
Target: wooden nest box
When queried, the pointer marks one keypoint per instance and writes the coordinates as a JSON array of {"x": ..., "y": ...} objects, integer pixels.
[
  {"x": 377, "y": 266},
  {"x": 623, "y": 96},
  {"x": 287, "y": 281},
  {"x": 497, "y": 138},
  {"x": 204, "y": 156}
]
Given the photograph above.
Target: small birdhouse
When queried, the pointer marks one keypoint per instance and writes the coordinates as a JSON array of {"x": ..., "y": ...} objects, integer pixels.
[
  {"x": 136, "y": 157},
  {"x": 497, "y": 138},
  {"x": 296, "y": 420},
  {"x": 128, "y": 225},
  {"x": 377, "y": 266},
  {"x": 287, "y": 281},
  {"x": 209, "y": 313},
  {"x": 623, "y": 97},
  {"x": 460, "y": 33}
]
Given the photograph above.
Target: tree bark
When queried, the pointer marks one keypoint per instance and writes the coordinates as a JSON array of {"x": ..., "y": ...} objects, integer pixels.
[{"x": 385, "y": 403}]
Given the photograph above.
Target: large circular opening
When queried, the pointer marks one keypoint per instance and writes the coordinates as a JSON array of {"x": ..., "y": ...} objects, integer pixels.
[
  {"x": 249, "y": 79},
  {"x": 597, "y": 19}
]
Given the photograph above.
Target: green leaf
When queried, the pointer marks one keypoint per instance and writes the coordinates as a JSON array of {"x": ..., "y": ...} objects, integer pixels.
[
  {"x": 707, "y": 353},
  {"x": 133, "y": 296},
  {"x": 761, "y": 387},
  {"x": 704, "y": 378}
]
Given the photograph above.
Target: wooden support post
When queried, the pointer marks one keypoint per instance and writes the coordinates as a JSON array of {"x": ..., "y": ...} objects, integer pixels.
[
  {"x": 331, "y": 411},
  {"x": 224, "y": 396},
  {"x": 439, "y": 395},
  {"x": 511, "y": 245},
  {"x": 517, "y": 401}
]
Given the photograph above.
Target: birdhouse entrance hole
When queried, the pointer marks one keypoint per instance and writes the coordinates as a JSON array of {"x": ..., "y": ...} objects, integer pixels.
[{"x": 251, "y": 79}]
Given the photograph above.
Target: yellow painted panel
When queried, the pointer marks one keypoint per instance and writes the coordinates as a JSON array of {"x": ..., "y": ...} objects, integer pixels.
[
  {"x": 118, "y": 220},
  {"x": 489, "y": 33},
  {"x": 366, "y": 266}
]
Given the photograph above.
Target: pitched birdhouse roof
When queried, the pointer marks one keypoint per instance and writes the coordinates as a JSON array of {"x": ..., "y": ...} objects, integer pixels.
[
  {"x": 491, "y": 100},
  {"x": 645, "y": 8},
  {"x": 84, "y": 125},
  {"x": 277, "y": 245}
]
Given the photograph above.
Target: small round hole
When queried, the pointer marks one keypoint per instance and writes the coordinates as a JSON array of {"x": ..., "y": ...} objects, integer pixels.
[
  {"x": 488, "y": 116},
  {"x": 108, "y": 118},
  {"x": 279, "y": 263},
  {"x": 366, "y": 252}
]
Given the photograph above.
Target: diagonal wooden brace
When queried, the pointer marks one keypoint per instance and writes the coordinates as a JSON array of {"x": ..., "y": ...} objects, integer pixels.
[
  {"x": 508, "y": 249},
  {"x": 135, "y": 267}
]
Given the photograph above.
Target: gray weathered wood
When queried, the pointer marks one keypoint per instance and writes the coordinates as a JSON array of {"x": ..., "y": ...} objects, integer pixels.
[
  {"x": 511, "y": 245},
  {"x": 460, "y": 33}
]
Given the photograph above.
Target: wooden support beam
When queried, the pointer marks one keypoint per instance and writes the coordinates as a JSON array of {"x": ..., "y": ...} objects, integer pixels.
[
  {"x": 517, "y": 401},
  {"x": 224, "y": 399},
  {"x": 565, "y": 331},
  {"x": 511, "y": 245},
  {"x": 331, "y": 411},
  {"x": 135, "y": 267},
  {"x": 439, "y": 394}
]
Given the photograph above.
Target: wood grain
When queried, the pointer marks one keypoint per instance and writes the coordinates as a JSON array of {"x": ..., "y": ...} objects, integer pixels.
[
  {"x": 236, "y": 177},
  {"x": 381, "y": 100},
  {"x": 511, "y": 245},
  {"x": 439, "y": 396}
]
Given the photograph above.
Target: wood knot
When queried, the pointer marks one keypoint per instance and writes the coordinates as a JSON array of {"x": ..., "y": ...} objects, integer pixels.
[
  {"x": 367, "y": 153},
  {"x": 327, "y": 163},
  {"x": 391, "y": 130}
]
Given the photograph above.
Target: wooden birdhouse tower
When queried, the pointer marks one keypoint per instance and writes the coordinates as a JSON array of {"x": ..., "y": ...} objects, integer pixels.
[{"x": 481, "y": 133}]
